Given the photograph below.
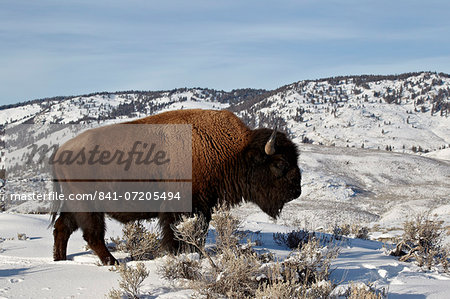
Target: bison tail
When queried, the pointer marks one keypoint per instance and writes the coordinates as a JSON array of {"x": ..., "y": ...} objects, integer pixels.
[{"x": 56, "y": 204}]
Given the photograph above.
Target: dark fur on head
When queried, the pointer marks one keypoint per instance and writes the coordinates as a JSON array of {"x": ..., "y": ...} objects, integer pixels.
[{"x": 272, "y": 180}]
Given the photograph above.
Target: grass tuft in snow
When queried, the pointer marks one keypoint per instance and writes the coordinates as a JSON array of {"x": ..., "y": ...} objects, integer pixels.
[
  {"x": 358, "y": 290},
  {"x": 22, "y": 237}
]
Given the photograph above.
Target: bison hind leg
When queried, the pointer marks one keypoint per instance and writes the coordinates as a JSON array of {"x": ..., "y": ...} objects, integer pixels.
[
  {"x": 93, "y": 227},
  {"x": 63, "y": 228}
]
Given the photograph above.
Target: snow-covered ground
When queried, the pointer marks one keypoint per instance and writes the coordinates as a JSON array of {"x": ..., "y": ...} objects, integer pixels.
[
  {"x": 368, "y": 187},
  {"x": 443, "y": 154},
  {"x": 340, "y": 185},
  {"x": 27, "y": 269}
]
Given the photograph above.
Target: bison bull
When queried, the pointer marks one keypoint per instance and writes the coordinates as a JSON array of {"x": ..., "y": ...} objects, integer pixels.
[{"x": 230, "y": 163}]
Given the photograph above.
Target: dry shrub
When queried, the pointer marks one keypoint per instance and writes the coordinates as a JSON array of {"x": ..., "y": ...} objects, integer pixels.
[
  {"x": 236, "y": 270},
  {"x": 364, "y": 291},
  {"x": 283, "y": 286},
  {"x": 362, "y": 233},
  {"x": 183, "y": 266},
  {"x": 131, "y": 281},
  {"x": 355, "y": 230},
  {"x": 311, "y": 263},
  {"x": 320, "y": 289},
  {"x": 138, "y": 241},
  {"x": 293, "y": 239},
  {"x": 444, "y": 259},
  {"x": 279, "y": 290},
  {"x": 236, "y": 275},
  {"x": 422, "y": 241},
  {"x": 192, "y": 231},
  {"x": 339, "y": 231},
  {"x": 226, "y": 228},
  {"x": 2, "y": 195},
  {"x": 345, "y": 229},
  {"x": 233, "y": 267},
  {"x": 22, "y": 237},
  {"x": 237, "y": 266}
]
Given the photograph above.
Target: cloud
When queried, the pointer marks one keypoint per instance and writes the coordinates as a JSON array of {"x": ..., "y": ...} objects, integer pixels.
[{"x": 55, "y": 47}]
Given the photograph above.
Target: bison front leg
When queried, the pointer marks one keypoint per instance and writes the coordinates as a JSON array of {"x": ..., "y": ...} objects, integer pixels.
[
  {"x": 168, "y": 241},
  {"x": 167, "y": 222},
  {"x": 63, "y": 228}
]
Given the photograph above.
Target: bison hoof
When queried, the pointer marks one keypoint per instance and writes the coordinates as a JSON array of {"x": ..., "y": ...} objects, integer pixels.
[
  {"x": 109, "y": 261},
  {"x": 57, "y": 259}
]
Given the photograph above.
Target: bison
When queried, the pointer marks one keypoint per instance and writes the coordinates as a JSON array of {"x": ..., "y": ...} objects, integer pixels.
[{"x": 230, "y": 163}]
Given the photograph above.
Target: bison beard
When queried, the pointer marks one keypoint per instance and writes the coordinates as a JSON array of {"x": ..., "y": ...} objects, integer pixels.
[{"x": 230, "y": 162}]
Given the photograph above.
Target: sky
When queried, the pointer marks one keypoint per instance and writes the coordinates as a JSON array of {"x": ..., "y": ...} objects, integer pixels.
[{"x": 72, "y": 47}]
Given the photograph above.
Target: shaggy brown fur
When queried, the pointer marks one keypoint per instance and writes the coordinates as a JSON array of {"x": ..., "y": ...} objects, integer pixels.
[{"x": 229, "y": 164}]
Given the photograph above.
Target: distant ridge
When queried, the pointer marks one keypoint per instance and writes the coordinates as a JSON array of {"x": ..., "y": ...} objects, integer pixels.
[
  {"x": 404, "y": 113},
  {"x": 357, "y": 78}
]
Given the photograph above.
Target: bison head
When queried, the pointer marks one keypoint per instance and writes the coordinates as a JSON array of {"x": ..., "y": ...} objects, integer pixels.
[{"x": 273, "y": 176}]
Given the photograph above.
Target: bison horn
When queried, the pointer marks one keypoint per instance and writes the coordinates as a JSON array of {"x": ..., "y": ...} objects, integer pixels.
[{"x": 270, "y": 145}]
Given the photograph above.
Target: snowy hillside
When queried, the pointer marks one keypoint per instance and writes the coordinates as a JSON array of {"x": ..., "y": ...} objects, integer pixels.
[{"x": 402, "y": 113}]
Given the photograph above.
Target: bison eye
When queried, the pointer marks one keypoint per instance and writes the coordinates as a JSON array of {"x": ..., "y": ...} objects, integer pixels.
[
  {"x": 282, "y": 165},
  {"x": 279, "y": 168}
]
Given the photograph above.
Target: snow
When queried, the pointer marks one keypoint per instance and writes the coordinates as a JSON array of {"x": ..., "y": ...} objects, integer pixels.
[
  {"x": 19, "y": 113},
  {"x": 27, "y": 269},
  {"x": 443, "y": 154}
]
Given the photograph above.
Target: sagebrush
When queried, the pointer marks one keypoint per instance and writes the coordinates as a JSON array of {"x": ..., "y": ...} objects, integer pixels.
[
  {"x": 234, "y": 269},
  {"x": 293, "y": 239},
  {"x": 354, "y": 230},
  {"x": 138, "y": 241},
  {"x": 183, "y": 266},
  {"x": 422, "y": 241},
  {"x": 365, "y": 291},
  {"x": 131, "y": 280}
]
